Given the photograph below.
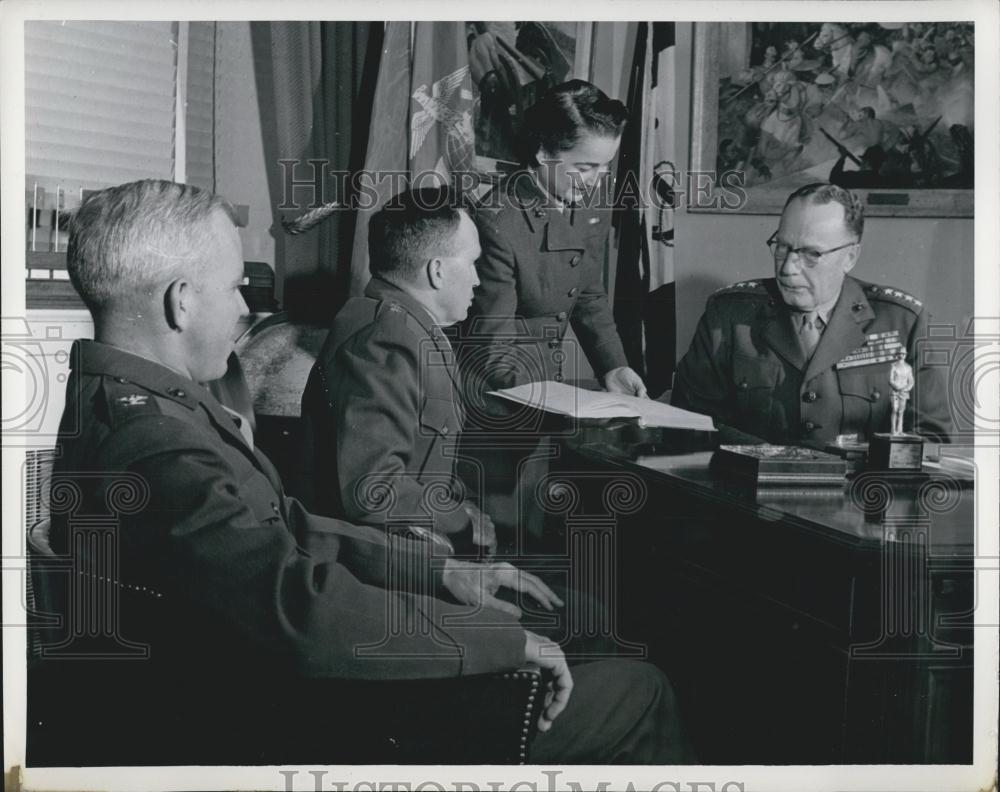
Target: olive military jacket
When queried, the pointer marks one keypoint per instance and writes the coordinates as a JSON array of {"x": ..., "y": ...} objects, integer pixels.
[
  {"x": 540, "y": 271},
  {"x": 383, "y": 416},
  {"x": 214, "y": 535},
  {"x": 746, "y": 369}
]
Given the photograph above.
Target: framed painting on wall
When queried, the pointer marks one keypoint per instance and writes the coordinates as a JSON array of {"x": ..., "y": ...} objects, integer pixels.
[{"x": 884, "y": 109}]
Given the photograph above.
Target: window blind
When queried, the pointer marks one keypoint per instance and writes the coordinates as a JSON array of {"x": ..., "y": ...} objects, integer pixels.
[{"x": 99, "y": 102}]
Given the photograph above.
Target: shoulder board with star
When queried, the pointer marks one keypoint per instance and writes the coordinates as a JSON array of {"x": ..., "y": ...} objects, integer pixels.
[
  {"x": 751, "y": 287},
  {"x": 897, "y": 296}
]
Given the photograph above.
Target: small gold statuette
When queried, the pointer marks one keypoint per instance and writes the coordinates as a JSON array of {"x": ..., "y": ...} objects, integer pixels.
[{"x": 897, "y": 449}]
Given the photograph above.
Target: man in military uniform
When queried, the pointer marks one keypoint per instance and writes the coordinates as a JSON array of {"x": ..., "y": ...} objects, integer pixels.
[
  {"x": 805, "y": 356},
  {"x": 247, "y": 591},
  {"x": 383, "y": 406}
]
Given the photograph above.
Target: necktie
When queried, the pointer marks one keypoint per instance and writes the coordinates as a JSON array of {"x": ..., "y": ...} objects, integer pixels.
[
  {"x": 241, "y": 424},
  {"x": 809, "y": 332}
]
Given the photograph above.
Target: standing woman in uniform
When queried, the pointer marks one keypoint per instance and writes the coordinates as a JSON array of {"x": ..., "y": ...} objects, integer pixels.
[
  {"x": 542, "y": 270},
  {"x": 542, "y": 265}
]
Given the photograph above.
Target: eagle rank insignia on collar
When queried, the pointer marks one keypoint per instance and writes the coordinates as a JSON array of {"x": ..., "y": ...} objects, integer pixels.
[{"x": 135, "y": 400}]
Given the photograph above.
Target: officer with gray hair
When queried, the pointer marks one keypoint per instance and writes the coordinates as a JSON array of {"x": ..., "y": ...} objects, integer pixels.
[{"x": 805, "y": 356}]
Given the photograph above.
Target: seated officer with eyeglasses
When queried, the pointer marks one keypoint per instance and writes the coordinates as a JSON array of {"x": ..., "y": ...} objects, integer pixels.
[{"x": 804, "y": 356}]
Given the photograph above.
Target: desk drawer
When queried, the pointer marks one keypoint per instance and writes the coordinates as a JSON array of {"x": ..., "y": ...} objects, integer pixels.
[
  {"x": 756, "y": 683},
  {"x": 772, "y": 562}
]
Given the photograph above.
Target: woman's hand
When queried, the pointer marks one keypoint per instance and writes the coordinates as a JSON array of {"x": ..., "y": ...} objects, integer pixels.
[{"x": 624, "y": 380}]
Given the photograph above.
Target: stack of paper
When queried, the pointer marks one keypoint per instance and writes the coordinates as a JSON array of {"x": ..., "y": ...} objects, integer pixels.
[{"x": 562, "y": 399}]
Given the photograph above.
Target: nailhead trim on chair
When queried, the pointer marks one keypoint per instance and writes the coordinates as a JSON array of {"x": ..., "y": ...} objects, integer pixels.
[
  {"x": 119, "y": 584},
  {"x": 534, "y": 677}
]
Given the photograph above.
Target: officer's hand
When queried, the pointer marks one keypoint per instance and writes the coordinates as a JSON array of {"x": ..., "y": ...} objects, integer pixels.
[
  {"x": 483, "y": 56},
  {"x": 473, "y": 583},
  {"x": 625, "y": 380},
  {"x": 546, "y": 654},
  {"x": 484, "y": 532}
]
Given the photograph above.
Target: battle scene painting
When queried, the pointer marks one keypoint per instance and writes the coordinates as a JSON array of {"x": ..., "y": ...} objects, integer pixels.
[{"x": 867, "y": 105}]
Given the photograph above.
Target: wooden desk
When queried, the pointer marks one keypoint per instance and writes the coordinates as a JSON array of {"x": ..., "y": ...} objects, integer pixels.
[{"x": 797, "y": 627}]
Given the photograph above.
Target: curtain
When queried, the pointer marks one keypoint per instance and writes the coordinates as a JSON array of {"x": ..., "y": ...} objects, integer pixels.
[{"x": 315, "y": 81}]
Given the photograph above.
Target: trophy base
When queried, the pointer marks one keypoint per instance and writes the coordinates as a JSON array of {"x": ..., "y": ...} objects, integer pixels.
[{"x": 895, "y": 452}]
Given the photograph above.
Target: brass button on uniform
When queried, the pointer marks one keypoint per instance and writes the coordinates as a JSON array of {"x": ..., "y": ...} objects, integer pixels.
[
  {"x": 810, "y": 396},
  {"x": 572, "y": 292},
  {"x": 177, "y": 392},
  {"x": 808, "y": 426},
  {"x": 876, "y": 395},
  {"x": 574, "y": 261},
  {"x": 744, "y": 385},
  {"x": 274, "y": 507}
]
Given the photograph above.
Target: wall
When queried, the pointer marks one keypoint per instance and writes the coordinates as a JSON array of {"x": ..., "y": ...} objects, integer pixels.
[{"x": 928, "y": 257}]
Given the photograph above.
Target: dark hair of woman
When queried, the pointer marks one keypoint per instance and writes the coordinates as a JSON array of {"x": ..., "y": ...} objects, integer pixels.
[{"x": 558, "y": 119}]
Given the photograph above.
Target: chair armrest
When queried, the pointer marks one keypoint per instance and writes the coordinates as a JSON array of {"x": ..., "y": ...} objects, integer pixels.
[
  {"x": 505, "y": 714},
  {"x": 480, "y": 719},
  {"x": 268, "y": 718}
]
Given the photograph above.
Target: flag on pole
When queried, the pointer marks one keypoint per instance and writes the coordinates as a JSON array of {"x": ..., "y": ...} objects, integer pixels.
[
  {"x": 659, "y": 316},
  {"x": 421, "y": 124},
  {"x": 440, "y": 124},
  {"x": 659, "y": 155},
  {"x": 644, "y": 292}
]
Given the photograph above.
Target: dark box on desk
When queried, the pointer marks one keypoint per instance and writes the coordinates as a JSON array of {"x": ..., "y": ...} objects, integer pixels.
[
  {"x": 766, "y": 465},
  {"x": 855, "y": 454}
]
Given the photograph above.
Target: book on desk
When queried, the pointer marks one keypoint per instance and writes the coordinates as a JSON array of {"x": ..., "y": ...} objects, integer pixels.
[{"x": 779, "y": 465}]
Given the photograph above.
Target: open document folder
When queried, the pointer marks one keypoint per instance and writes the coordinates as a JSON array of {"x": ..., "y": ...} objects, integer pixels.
[{"x": 556, "y": 397}]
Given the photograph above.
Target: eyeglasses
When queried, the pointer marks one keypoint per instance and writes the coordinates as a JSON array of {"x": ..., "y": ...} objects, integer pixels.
[{"x": 809, "y": 256}]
